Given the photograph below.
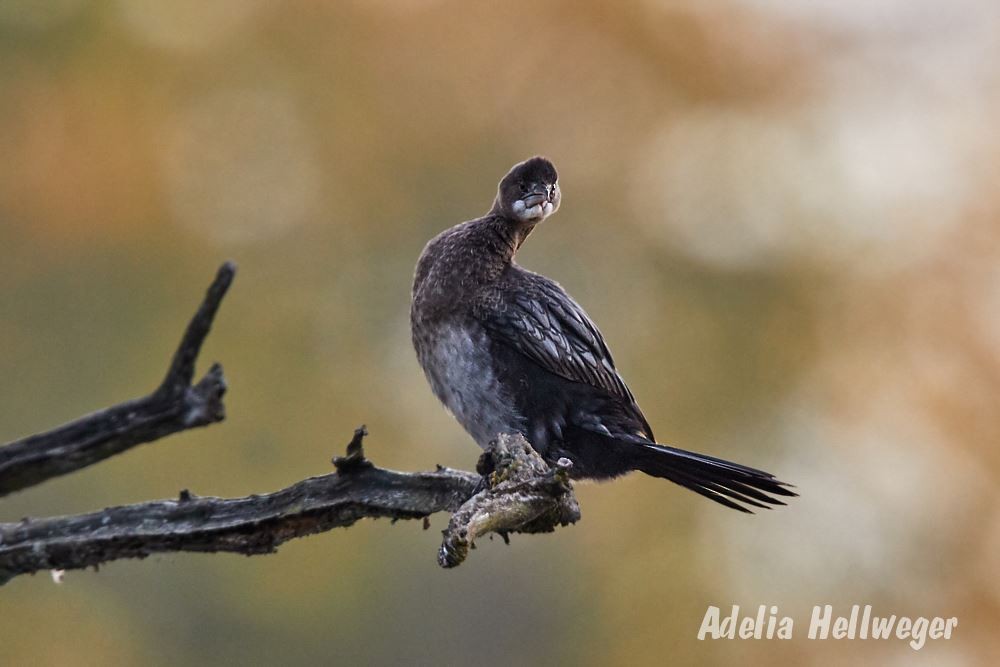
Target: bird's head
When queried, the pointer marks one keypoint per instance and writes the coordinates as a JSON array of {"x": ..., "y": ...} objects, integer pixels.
[{"x": 529, "y": 192}]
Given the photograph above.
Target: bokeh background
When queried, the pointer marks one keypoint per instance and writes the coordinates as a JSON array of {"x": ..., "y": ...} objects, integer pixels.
[{"x": 784, "y": 216}]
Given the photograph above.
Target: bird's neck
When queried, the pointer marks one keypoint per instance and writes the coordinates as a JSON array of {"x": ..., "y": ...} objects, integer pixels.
[
  {"x": 461, "y": 261},
  {"x": 484, "y": 249},
  {"x": 510, "y": 233}
]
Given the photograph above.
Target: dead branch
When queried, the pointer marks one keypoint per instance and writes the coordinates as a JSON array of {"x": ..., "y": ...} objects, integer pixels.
[
  {"x": 174, "y": 406},
  {"x": 523, "y": 495},
  {"x": 519, "y": 494},
  {"x": 515, "y": 491}
]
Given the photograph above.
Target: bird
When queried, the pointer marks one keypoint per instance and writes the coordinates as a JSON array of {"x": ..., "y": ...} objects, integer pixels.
[{"x": 507, "y": 350}]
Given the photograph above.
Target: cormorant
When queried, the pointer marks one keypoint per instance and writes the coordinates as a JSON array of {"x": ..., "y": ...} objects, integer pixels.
[{"x": 507, "y": 350}]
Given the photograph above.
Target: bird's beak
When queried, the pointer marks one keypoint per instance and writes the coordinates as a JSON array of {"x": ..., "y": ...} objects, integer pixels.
[{"x": 538, "y": 195}]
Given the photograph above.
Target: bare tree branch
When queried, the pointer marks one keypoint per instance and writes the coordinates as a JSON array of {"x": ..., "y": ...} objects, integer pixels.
[
  {"x": 175, "y": 406},
  {"x": 523, "y": 495},
  {"x": 520, "y": 494}
]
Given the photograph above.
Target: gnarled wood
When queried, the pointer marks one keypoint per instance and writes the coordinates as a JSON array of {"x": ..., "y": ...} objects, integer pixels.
[
  {"x": 174, "y": 406},
  {"x": 522, "y": 495},
  {"x": 519, "y": 492}
]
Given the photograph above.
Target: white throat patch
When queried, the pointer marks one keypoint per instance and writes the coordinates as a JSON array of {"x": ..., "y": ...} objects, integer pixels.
[{"x": 536, "y": 213}]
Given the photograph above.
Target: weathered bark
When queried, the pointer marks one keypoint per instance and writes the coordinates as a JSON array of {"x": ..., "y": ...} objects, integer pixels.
[
  {"x": 174, "y": 406},
  {"x": 521, "y": 494}
]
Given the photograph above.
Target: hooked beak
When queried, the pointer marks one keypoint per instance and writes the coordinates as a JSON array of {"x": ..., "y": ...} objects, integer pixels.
[{"x": 539, "y": 194}]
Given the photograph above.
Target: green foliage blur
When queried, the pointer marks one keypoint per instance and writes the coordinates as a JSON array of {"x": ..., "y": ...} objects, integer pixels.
[{"x": 783, "y": 216}]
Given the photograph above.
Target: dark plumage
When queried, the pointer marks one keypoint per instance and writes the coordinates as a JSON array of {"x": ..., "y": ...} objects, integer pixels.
[{"x": 508, "y": 350}]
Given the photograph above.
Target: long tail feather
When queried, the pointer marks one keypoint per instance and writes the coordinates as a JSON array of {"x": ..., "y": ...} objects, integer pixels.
[{"x": 725, "y": 482}]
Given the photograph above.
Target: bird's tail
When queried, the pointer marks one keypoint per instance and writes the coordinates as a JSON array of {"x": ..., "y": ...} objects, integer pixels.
[{"x": 726, "y": 483}]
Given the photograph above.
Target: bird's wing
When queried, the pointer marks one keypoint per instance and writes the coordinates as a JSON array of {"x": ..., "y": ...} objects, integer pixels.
[{"x": 536, "y": 317}]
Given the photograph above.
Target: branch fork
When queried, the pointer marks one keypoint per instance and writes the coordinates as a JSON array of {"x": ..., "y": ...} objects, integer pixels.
[
  {"x": 174, "y": 406},
  {"x": 514, "y": 490},
  {"x": 521, "y": 495}
]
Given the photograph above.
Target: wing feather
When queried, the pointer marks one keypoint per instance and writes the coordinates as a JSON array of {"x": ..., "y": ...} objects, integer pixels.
[{"x": 536, "y": 316}]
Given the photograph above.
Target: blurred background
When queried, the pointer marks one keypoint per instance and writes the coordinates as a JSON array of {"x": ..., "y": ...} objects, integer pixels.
[{"x": 783, "y": 216}]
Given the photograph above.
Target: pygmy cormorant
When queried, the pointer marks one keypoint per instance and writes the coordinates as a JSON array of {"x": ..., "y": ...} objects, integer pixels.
[{"x": 507, "y": 350}]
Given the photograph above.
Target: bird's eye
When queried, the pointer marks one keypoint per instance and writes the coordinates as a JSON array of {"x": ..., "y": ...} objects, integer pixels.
[{"x": 522, "y": 187}]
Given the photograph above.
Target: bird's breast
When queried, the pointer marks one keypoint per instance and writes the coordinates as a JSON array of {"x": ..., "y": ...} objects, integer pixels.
[{"x": 456, "y": 359}]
